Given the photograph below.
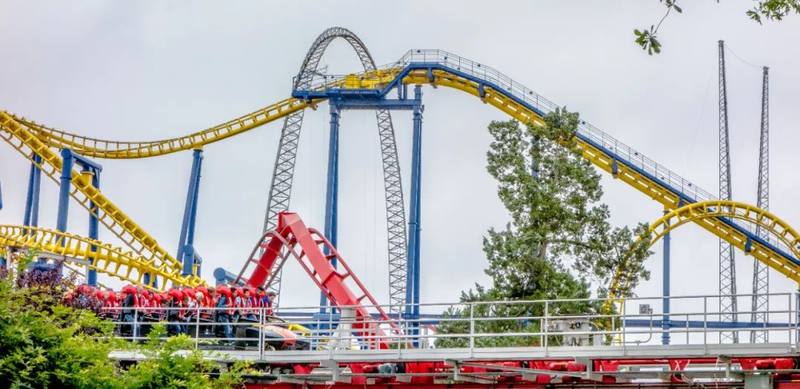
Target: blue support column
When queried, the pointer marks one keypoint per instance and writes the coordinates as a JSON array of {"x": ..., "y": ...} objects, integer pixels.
[
  {"x": 186, "y": 244},
  {"x": 63, "y": 190},
  {"x": 31, "y": 217},
  {"x": 26, "y": 221},
  {"x": 194, "y": 259},
  {"x": 665, "y": 284},
  {"x": 91, "y": 275},
  {"x": 332, "y": 189},
  {"x": 413, "y": 280}
]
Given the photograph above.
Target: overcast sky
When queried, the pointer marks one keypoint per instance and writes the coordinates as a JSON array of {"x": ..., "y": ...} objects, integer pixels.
[{"x": 153, "y": 70}]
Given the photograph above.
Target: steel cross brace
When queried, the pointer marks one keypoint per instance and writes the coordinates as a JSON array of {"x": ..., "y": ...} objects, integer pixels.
[{"x": 355, "y": 103}]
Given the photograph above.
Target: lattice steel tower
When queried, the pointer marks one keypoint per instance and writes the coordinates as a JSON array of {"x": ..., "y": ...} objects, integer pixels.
[
  {"x": 760, "y": 303},
  {"x": 727, "y": 268},
  {"x": 283, "y": 173}
]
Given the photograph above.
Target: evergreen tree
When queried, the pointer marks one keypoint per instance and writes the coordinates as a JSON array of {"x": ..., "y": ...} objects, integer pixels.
[{"x": 559, "y": 240}]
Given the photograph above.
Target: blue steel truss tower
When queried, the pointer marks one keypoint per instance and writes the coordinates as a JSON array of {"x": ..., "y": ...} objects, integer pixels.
[
  {"x": 760, "y": 303},
  {"x": 727, "y": 268}
]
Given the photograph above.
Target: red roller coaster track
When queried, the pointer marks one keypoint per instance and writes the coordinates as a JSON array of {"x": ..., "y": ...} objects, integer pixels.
[
  {"x": 626, "y": 372},
  {"x": 293, "y": 239}
]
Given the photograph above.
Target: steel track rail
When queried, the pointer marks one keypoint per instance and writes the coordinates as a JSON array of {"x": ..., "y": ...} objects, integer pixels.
[
  {"x": 441, "y": 68},
  {"x": 105, "y": 258},
  {"x": 707, "y": 215}
]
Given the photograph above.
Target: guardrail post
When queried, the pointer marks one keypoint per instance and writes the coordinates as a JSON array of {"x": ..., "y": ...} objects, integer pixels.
[
  {"x": 315, "y": 342},
  {"x": 135, "y": 330},
  {"x": 789, "y": 321},
  {"x": 705, "y": 324},
  {"x": 687, "y": 328},
  {"x": 546, "y": 324},
  {"x": 261, "y": 323},
  {"x": 471, "y": 326},
  {"x": 624, "y": 328},
  {"x": 797, "y": 317},
  {"x": 197, "y": 328},
  {"x": 613, "y": 332}
]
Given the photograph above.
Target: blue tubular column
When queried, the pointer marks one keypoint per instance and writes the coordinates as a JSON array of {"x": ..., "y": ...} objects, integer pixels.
[
  {"x": 194, "y": 258},
  {"x": 186, "y": 252},
  {"x": 63, "y": 191},
  {"x": 332, "y": 189},
  {"x": 412, "y": 288},
  {"x": 665, "y": 283},
  {"x": 32, "y": 198},
  {"x": 26, "y": 221},
  {"x": 37, "y": 181},
  {"x": 91, "y": 275}
]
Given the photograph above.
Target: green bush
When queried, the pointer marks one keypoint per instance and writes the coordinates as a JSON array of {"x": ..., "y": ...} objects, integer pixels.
[{"x": 44, "y": 344}]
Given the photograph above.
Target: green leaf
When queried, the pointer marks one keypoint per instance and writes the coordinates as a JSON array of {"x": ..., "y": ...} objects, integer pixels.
[{"x": 754, "y": 15}]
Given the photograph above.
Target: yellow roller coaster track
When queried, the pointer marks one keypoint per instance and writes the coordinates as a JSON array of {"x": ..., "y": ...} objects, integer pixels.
[
  {"x": 109, "y": 149},
  {"x": 29, "y": 141},
  {"x": 524, "y": 115},
  {"x": 106, "y": 259},
  {"x": 29, "y": 137},
  {"x": 704, "y": 214}
]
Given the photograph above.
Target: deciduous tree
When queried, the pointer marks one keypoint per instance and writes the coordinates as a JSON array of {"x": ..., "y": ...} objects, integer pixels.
[{"x": 771, "y": 10}]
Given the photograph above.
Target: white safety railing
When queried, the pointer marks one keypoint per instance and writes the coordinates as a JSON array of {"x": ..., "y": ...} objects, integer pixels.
[{"x": 541, "y": 324}]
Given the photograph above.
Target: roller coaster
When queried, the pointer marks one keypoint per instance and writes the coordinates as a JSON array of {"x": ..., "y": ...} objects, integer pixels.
[{"x": 143, "y": 261}]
